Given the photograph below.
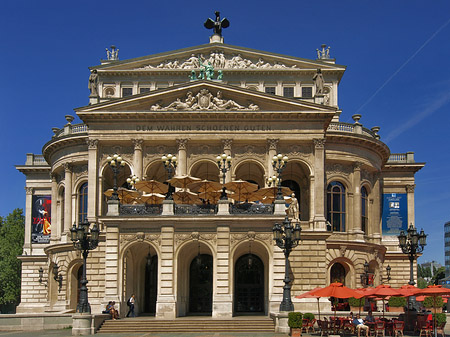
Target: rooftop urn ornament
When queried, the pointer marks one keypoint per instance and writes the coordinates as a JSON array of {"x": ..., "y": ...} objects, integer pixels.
[
  {"x": 217, "y": 26},
  {"x": 323, "y": 54}
]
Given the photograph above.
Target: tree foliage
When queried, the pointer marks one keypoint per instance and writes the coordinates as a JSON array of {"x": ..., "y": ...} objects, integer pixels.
[
  {"x": 11, "y": 243},
  {"x": 438, "y": 275}
]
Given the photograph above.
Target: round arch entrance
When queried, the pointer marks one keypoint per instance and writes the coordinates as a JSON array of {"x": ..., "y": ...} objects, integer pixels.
[
  {"x": 249, "y": 285},
  {"x": 140, "y": 277}
]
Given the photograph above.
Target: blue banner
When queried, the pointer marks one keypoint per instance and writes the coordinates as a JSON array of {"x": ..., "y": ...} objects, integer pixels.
[{"x": 395, "y": 213}]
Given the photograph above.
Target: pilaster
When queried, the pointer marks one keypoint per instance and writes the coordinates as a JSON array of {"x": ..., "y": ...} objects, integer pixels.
[
  {"x": 223, "y": 304},
  {"x": 227, "y": 143},
  {"x": 182, "y": 158},
  {"x": 137, "y": 158},
  {"x": 28, "y": 220},
  {"x": 410, "y": 200},
  {"x": 55, "y": 227},
  {"x": 357, "y": 226},
  {"x": 319, "y": 184},
  {"x": 112, "y": 264},
  {"x": 166, "y": 306},
  {"x": 272, "y": 144},
  {"x": 67, "y": 197},
  {"x": 92, "y": 179}
]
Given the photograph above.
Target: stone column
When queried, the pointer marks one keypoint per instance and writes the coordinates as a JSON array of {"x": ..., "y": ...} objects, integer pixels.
[
  {"x": 166, "y": 305},
  {"x": 375, "y": 210},
  {"x": 137, "y": 158},
  {"x": 92, "y": 179},
  {"x": 28, "y": 220},
  {"x": 227, "y": 150},
  {"x": 271, "y": 153},
  {"x": 319, "y": 182},
  {"x": 222, "y": 301},
  {"x": 357, "y": 226},
  {"x": 410, "y": 199},
  {"x": 55, "y": 226},
  {"x": 182, "y": 158},
  {"x": 67, "y": 197}
]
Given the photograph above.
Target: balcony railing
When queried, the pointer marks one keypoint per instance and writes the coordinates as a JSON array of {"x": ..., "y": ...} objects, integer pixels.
[
  {"x": 251, "y": 208},
  {"x": 35, "y": 160},
  {"x": 70, "y": 129},
  {"x": 401, "y": 158},
  {"x": 195, "y": 209},
  {"x": 141, "y": 209},
  {"x": 352, "y": 128}
]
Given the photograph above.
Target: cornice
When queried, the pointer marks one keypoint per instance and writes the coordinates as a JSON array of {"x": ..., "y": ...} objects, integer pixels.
[
  {"x": 414, "y": 167},
  {"x": 65, "y": 141}
]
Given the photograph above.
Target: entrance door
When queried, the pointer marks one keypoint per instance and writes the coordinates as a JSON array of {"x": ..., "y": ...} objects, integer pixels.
[
  {"x": 249, "y": 285},
  {"x": 201, "y": 284},
  {"x": 151, "y": 284}
]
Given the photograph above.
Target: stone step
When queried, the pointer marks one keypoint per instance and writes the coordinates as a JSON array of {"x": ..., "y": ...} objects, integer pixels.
[{"x": 186, "y": 325}]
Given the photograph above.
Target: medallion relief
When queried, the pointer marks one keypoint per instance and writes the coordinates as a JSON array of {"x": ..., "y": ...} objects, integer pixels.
[
  {"x": 236, "y": 238},
  {"x": 195, "y": 236},
  {"x": 140, "y": 237},
  {"x": 337, "y": 169}
]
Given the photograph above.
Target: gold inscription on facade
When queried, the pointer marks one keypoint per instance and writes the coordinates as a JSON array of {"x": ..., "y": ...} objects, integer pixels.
[{"x": 214, "y": 127}]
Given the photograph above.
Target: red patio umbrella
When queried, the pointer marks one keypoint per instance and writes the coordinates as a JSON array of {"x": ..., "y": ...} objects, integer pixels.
[
  {"x": 309, "y": 294},
  {"x": 383, "y": 291},
  {"x": 433, "y": 291},
  {"x": 336, "y": 290}
]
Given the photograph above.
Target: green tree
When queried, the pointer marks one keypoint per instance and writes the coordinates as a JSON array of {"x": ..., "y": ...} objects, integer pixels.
[
  {"x": 438, "y": 274},
  {"x": 11, "y": 243},
  {"x": 421, "y": 283}
]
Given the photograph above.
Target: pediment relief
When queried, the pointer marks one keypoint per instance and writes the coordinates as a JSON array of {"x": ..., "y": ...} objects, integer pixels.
[{"x": 221, "y": 56}]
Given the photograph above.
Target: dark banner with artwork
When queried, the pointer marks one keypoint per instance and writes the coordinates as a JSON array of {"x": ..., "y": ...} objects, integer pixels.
[
  {"x": 395, "y": 213},
  {"x": 41, "y": 219}
]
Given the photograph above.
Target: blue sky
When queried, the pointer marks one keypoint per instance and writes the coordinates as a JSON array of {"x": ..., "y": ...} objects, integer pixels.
[{"x": 397, "y": 53}]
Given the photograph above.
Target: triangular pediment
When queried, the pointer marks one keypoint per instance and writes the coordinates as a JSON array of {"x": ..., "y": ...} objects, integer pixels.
[
  {"x": 221, "y": 56},
  {"x": 202, "y": 97}
]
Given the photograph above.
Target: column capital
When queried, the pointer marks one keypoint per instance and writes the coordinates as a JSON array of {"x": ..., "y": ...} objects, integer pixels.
[
  {"x": 272, "y": 144},
  {"x": 357, "y": 166},
  {"x": 67, "y": 167},
  {"x": 54, "y": 176},
  {"x": 182, "y": 143},
  {"x": 410, "y": 188},
  {"x": 227, "y": 144},
  {"x": 137, "y": 143},
  {"x": 319, "y": 143},
  {"x": 29, "y": 190},
  {"x": 92, "y": 144}
]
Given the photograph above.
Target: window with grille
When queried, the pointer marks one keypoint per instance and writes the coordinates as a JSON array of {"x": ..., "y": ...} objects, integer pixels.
[
  {"x": 364, "y": 210},
  {"x": 127, "y": 92},
  {"x": 288, "y": 91},
  {"x": 82, "y": 202},
  {"x": 306, "y": 92},
  {"x": 270, "y": 90}
]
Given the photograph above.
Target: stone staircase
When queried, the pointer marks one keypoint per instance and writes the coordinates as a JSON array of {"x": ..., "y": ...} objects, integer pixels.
[{"x": 187, "y": 324}]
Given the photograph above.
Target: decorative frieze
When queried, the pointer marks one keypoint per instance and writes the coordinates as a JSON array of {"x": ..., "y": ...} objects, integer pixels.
[
  {"x": 272, "y": 143},
  {"x": 92, "y": 144},
  {"x": 182, "y": 144},
  {"x": 219, "y": 60},
  {"x": 410, "y": 188},
  {"x": 195, "y": 236},
  {"x": 337, "y": 169},
  {"x": 319, "y": 143},
  {"x": 140, "y": 237},
  {"x": 80, "y": 171},
  {"x": 236, "y": 238},
  {"x": 227, "y": 143},
  {"x": 137, "y": 143},
  {"x": 296, "y": 150}
]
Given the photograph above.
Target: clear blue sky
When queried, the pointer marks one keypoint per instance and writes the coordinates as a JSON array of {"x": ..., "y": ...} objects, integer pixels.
[{"x": 397, "y": 53}]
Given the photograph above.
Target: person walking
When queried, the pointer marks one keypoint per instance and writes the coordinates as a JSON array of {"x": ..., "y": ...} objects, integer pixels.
[{"x": 130, "y": 303}]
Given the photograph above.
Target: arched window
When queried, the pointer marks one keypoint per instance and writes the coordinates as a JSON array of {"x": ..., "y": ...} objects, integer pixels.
[
  {"x": 82, "y": 202},
  {"x": 364, "y": 210},
  {"x": 336, "y": 206}
]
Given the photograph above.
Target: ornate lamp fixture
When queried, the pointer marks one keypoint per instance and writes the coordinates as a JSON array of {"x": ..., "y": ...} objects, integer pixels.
[
  {"x": 272, "y": 181},
  {"x": 388, "y": 272},
  {"x": 286, "y": 238},
  {"x": 279, "y": 163},
  {"x": 224, "y": 163},
  {"x": 170, "y": 164},
  {"x": 115, "y": 162},
  {"x": 365, "y": 275},
  {"x": 132, "y": 180},
  {"x": 412, "y": 244},
  {"x": 84, "y": 240},
  {"x": 56, "y": 276}
]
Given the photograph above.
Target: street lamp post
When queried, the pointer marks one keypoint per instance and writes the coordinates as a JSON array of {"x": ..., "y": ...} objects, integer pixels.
[
  {"x": 224, "y": 163},
  {"x": 84, "y": 240},
  {"x": 170, "y": 164},
  {"x": 279, "y": 163},
  {"x": 116, "y": 163},
  {"x": 388, "y": 273},
  {"x": 286, "y": 238},
  {"x": 412, "y": 244}
]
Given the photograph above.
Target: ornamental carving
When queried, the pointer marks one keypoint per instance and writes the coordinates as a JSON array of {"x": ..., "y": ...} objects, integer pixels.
[
  {"x": 92, "y": 144},
  {"x": 204, "y": 100},
  {"x": 218, "y": 60},
  {"x": 410, "y": 188},
  {"x": 236, "y": 238},
  {"x": 140, "y": 237},
  {"x": 124, "y": 151},
  {"x": 272, "y": 143},
  {"x": 29, "y": 190},
  {"x": 67, "y": 167},
  {"x": 227, "y": 143},
  {"x": 137, "y": 143},
  {"x": 299, "y": 150},
  {"x": 319, "y": 143},
  {"x": 337, "y": 169},
  {"x": 195, "y": 236},
  {"x": 182, "y": 143},
  {"x": 342, "y": 250},
  {"x": 366, "y": 175},
  {"x": 79, "y": 171}
]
